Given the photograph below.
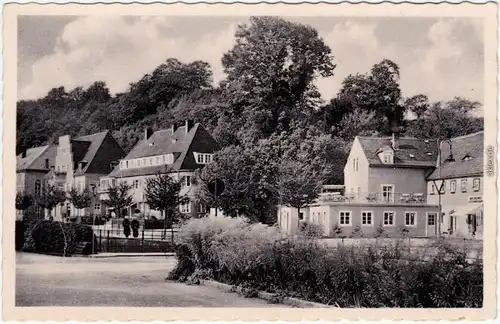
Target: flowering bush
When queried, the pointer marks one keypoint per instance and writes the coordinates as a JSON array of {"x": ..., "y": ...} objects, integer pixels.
[{"x": 260, "y": 257}]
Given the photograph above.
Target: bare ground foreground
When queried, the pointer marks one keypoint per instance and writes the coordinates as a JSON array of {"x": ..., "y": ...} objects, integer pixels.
[{"x": 43, "y": 280}]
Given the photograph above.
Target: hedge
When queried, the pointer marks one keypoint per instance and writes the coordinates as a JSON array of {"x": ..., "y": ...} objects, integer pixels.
[
  {"x": 259, "y": 257},
  {"x": 47, "y": 237}
]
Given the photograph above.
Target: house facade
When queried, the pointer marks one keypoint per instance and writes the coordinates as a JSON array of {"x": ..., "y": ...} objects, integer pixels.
[
  {"x": 180, "y": 151},
  {"x": 79, "y": 163},
  {"x": 385, "y": 189},
  {"x": 459, "y": 177},
  {"x": 32, "y": 165}
]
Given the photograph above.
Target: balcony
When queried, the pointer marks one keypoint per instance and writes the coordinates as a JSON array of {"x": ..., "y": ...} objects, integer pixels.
[{"x": 375, "y": 198}]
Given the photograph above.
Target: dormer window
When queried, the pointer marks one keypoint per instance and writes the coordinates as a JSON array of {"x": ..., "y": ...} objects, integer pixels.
[
  {"x": 467, "y": 158},
  {"x": 203, "y": 158},
  {"x": 387, "y": 157}
]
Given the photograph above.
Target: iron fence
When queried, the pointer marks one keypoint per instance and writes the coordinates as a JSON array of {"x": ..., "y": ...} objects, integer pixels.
[{"x": 145, "y": 241}]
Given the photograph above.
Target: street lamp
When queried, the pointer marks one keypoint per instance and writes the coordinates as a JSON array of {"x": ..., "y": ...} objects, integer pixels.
[
  {"x": 93, "y": 214},
  {"x": 440, "y": 181}
]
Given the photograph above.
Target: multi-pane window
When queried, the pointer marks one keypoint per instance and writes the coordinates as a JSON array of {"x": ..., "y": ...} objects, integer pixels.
[
  {"x": 453, "y": 186},
  {"x": 388, "y": 218},
  {"x": 464, "y": 185},
  {"x": 136, "y": 184},
  {"x": 366, "y": 218},
  {"x": 202, "y": 209},
  {"x": 388, "y": 193},
  {"x": 188, "y": 181},
  {"x": 432, "y": 189},
  {"x": 185, "y": 208},
  {"x": 410, "y": 218},
  {"x": 97, "y": 207},
  {"x": 476, "y": 184},
  {"x": 38, "y": 187},
  {"x": 158, "y": 160},
  {"x": 431, "y": 219},
  {"x": 345, "y": 218},
  {"x": 203, "y": 158}
]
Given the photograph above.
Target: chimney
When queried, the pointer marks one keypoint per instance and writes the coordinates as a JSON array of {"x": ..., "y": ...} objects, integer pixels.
[
  {"x": 24, "y": 153},
  {"x": 113, "y": 164},
  {"x": 395, "y": 140},
  {"x": 147, "y": 133},
  {"x": 174, "y": 127},
  {"x": 189, "y": 125}
]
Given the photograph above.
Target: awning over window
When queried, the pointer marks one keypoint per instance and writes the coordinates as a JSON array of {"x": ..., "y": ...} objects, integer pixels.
[{"x": 467, "y": 209}]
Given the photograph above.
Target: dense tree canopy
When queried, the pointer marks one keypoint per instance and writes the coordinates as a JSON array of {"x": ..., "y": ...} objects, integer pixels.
[{"x": 266, "y": 111}]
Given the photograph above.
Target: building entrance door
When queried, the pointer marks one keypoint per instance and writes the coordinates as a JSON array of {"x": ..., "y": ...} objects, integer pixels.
[{"x": 431, "y": 229}]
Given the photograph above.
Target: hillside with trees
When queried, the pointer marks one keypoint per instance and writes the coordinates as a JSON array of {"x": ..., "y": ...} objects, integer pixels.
[{"x": 267, "y": 114}]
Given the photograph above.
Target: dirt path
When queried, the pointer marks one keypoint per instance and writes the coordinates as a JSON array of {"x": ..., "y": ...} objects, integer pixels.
[{"x": 54, "y": 281}]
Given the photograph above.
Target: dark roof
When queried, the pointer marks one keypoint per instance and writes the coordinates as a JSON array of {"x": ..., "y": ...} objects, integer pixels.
[
  {"x": 180, "y": 143},
  {"x": 35, "y": 158},
  {"x": 468, "y": 155},
  {"x": 412, "y": 152},
  {"x": 97, "y": 150}
]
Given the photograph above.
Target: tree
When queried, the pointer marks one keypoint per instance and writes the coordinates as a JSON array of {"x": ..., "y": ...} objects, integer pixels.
[
  {"x": 299, "y": 184},
  {"x": 271, "y": 72},
  {"x": 446, "y": 120},
  {"x": 79, "y": 199},
  {"x": 163, "y": 193},
  {"x": 49, "y": 197},
  {"x": 23, "y": 201},
  {"x": 417, "y": 104},
  {"x": 377, "y": 91},
  {"x": 118, "y": 197}
]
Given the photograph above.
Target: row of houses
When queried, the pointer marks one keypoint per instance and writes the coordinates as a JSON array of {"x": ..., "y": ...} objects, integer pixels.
[
  {"x": 97, "y": 162},
  {"x": 394, "y": 183},
  {"x": 402, "y": 184}
]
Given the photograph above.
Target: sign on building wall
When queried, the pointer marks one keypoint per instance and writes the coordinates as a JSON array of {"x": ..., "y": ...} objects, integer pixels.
[{"x": 475, "y": 199}]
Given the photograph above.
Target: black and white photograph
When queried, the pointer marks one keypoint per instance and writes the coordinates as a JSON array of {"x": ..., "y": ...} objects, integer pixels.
[{"x": 253, "y": 161}]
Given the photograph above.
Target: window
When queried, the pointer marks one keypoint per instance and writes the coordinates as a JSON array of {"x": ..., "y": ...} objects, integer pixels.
[
  {"x": 410, "y": 218},
  {"x": 126, "y": 164},
  {"x": 354, "y": 165},
  {"x": 453, "y": 186},
  {"x": 158, "y": 160},
  {"x": 345, "y": 218},
  {"x": 46, "y": 163},
  {"x": 389, "y": 218},
  {"x": 188, "y": 181},
  {"x": 136, "y": 184},
  {"x": 97, "y": 207},
  {"x": 387, "y": 158},
  {"x": 464, "y": 185},
  {"x": 185, "y": 208},
  {"x": 150, "y": 161},
  {"x": 431, "y": 219},
  {"x": 366, "y": 218},
  {"x": 38, "y": 187},
  {"x": 433, "y": 189},
  {"x": 144, "y": 162},
  {"x": 138, "y": 163},
  {"x": 64, "y": 167},
  {"x": 476, "y": 184},
  {"x": 58, "y": 168},
  {"x": 443, "y": 187},
  {"x": 388, "y": 193},
  {"x": 200, "y": 158},
  {"x": 357, "y": 164},
  {"x": 202, "y": 209}
]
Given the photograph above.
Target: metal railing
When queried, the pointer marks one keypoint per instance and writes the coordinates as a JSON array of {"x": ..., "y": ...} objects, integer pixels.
[{"x": 376, "y": 198}]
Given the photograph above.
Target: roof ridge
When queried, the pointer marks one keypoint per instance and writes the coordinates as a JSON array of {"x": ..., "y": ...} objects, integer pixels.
[
  {"x": 93, "y": 134},
  {"x": 468, "y": 135}
]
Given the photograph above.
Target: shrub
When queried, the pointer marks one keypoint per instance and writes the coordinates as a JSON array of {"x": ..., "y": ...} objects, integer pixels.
[
  {"x": 357, "y": 232},
  {"x": 57, "y": 238},
  {"x": 311, "y": 230},
  {"x": 380, "y": 231},
  {"x": 337, "y": 230},
  {"x": 21, "y": 226},
  {"x": 258, "y": 257}
]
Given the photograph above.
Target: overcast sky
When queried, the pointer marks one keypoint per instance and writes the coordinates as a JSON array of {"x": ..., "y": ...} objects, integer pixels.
[{"x": 441, "y": 58}]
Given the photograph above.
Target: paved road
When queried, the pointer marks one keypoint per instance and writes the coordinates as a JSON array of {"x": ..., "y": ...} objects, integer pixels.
[{"x": 54, "y": 281}]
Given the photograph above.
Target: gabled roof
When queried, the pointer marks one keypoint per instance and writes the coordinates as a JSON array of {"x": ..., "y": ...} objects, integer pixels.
[
  {"x": 97, "y": 150},
  {"x": 35, "y": 158},
  {"x": 412, "y": 152},
  {"x": 180, "y": 143},
  {"x": 471, "y": 146}
]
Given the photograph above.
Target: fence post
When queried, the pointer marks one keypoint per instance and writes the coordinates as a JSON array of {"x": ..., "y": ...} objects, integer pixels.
[
  {"x": 100, "y": 240},
  {"x": 107, "y": 242},
  {"x": 142, "y": 241}
]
